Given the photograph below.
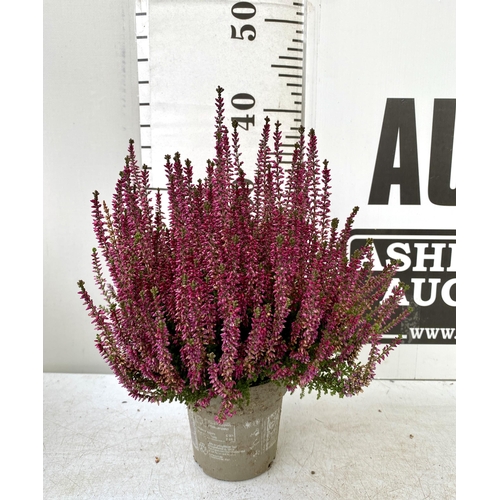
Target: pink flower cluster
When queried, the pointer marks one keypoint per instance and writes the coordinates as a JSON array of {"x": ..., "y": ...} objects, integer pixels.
[{"x": 244, "y": 283}]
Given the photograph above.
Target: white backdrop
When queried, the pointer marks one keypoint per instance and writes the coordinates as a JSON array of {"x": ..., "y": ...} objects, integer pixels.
[
  {"x": 359, "y": 54},
  {"x": 90, "y": 112}
]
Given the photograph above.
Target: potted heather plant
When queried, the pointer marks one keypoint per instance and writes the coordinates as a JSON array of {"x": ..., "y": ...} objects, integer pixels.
[{"x": 244, "y": 287}]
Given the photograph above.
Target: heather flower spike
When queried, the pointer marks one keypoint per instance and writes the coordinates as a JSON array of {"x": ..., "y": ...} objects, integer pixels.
[{"x": 240, "y": 283}]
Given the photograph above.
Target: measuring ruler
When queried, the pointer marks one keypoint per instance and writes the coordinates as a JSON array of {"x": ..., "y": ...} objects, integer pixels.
[{"x": 255, "y": 50}]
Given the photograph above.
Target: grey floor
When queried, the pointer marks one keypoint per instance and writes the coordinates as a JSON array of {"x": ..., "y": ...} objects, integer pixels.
[{"x": 396, "y": 440}]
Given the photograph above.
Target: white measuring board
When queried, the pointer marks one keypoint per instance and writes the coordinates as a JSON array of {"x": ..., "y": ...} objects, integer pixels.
[{"x": 186, "y": 49}]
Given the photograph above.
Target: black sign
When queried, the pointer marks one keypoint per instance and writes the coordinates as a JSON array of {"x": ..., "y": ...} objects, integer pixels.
[{"x": 428, "y": 267}]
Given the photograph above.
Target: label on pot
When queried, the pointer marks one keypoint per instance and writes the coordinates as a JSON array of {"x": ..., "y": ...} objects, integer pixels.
[{"x": 221, "y": 442}]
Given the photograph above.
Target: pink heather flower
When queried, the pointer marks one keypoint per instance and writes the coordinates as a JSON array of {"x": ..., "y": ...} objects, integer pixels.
[{"x": 235, "y": 285}]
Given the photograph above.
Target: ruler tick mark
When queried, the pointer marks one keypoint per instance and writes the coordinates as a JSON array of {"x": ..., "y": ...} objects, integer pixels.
[
  {"x": 282, "y": 110},
  {"x": 289, "y": 21},
  {"x": 285, "y": 66}
]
